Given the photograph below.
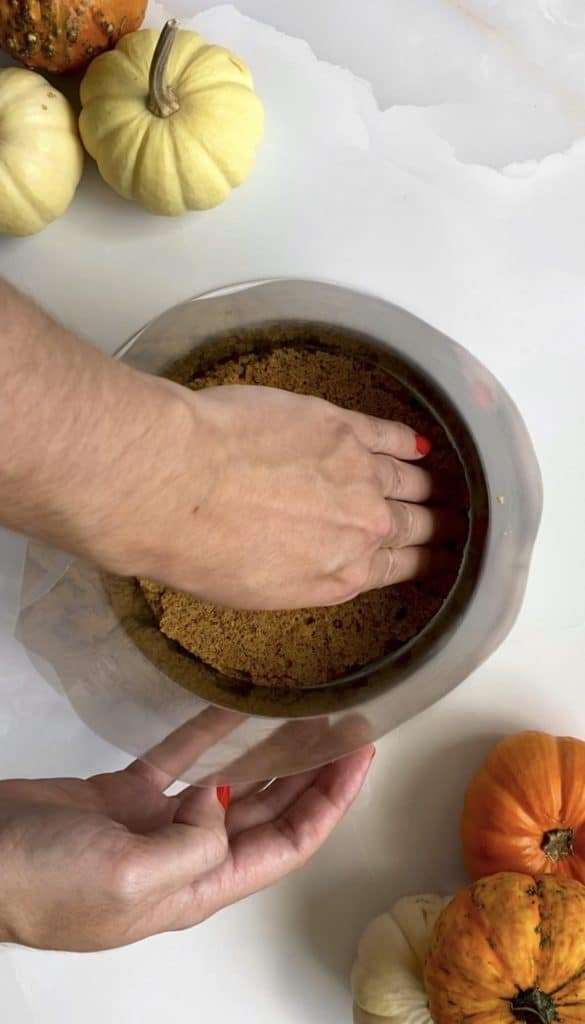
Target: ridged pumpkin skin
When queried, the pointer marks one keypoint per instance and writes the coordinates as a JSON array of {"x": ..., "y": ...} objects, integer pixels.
[
  {"x": 510, "y": 948},
  {"x": 41, "y": 157},
  {"x": 525, "y": 809},
  {"x": 56, "y": 35},
  {"x": 194, "y": 154}
]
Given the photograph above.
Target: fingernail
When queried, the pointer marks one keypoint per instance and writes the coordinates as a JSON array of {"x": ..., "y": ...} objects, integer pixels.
[
  {"x": 224, "y": 795},
  {"x": 423, "y": 445},
  {"x": 373, "y": 755}
]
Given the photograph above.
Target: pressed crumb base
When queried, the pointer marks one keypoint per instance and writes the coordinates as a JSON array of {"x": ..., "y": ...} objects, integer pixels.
[{"x": 312, "y": 647}]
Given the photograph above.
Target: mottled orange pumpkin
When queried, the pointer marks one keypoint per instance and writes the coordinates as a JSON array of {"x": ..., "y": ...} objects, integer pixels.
[
  {"x": 65, "y": 35},
  {"x": 525, "y": 809},
  {"x": 510, "y": 948}
]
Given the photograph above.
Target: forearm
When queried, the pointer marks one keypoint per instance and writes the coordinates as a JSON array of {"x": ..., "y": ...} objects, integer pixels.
[
  {"x": 77, "y": 429},
  {"x": 249, "y": 497}
]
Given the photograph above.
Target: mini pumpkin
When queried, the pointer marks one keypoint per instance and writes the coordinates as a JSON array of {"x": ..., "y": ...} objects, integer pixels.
[
  {"x": 387, "y": 976},
  {"x": 62, "y": 35},
  {"x": 525, "y": 808},
  {"x": 172, "y": 122},
  {"x": 41, "y": 157},
  {"x": 511, "y": 948}
]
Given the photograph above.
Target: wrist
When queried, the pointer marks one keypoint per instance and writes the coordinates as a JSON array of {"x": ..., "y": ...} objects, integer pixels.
[
  {"x": 100, "y": 459},
  {"x": 160, "y": 467}
]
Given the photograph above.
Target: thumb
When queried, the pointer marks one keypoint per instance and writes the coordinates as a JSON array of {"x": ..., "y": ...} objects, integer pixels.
[{"x": 194, "y": 843}]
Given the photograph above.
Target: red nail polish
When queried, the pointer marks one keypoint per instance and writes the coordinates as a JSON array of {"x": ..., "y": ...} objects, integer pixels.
[
  {"x": 224, "y": 795},
  {"x": 423, "y": 445}
]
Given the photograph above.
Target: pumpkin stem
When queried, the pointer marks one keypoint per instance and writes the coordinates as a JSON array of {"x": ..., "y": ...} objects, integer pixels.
[
  {"x": 161, "y": 98},
  {"x": 531, "y": 1004},
  {"x": 557, "y": 843}
]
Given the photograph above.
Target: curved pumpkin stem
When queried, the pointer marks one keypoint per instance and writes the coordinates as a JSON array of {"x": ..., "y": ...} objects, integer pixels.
[
  {"x": 161, "y": 98},
  {"x": 533, "y": 1007}
]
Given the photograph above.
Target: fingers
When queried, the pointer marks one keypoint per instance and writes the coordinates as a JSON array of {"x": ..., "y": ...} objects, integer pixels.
[
  {"x": 193, "y": 844},
  {"x": 262, "y": 807},
  {"x": 254, "y": 808},
  {"x": 389, "y": 566},
  {"x": 267, "y": 852},
  {"x": 386, "y": 436},
  {"x": 295, "y": 743},
  {"x": 399, "y": 480},
  {"x": 412, "y": 525},
  {"x": 182, "y": 748}
]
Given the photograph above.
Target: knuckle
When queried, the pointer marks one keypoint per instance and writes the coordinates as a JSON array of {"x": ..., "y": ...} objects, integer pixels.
[
  {"x": 402, "y": 527},
  {"x": 346, "y": 439},
  {"x": 390, "y": 573},
  {"x": 378, "y": 520},
  {"x": 379, "y": 431},
  {"x": 356, "y": 577},
  {"x": 345, "y": 457},
  {"x": 333, "y": 592},
  {"x": 219, "y": 847},
  {"x": 302, "y": 837},
  {"x": 409, "y": 524},
  {"x": 346, "y": 584},
  {"x": 340, "y": 430},
  {"x": 366, "y": 515},
  {"x": 396, "y": 478},
  {"x": 353, "y": 454},
  {"x": 322, "y": 417}
]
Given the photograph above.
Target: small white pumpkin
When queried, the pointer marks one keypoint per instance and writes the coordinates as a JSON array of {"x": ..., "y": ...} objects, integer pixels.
[
  {"x": 387, "y": 976},
  {"x": 41, "y": 156},
  {"x": 172, "y": 123}
]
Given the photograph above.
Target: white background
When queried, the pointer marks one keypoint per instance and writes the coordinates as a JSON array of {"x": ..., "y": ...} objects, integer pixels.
[{"x": 437, "y": 160}]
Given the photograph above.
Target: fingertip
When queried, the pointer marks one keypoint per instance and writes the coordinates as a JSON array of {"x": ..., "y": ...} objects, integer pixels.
[
  {"x": 422, "y": 445},
  {"x": 405, "y": 443},
  {"x": 224, "y": 795},
  {"x": 364, "y": 755},
  {"x": 343, "y": 780},
  {"x": 389, "y": 437},
  {"x": 369, "y": 753}
]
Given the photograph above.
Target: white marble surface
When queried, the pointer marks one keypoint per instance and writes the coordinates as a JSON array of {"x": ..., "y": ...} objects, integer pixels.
[{"x": 433, "y": 152}]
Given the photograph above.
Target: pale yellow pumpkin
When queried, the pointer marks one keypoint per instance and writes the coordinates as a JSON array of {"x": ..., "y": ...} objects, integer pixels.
[
  {"x": 41, "y": 157},
  {"x": 172, "y": 122}
]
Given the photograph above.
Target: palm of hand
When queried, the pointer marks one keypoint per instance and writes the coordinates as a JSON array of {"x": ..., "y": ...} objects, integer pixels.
[{"x": 92, "y": 864}]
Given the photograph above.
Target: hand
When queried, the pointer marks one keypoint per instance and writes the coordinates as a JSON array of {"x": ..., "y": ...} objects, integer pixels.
[
  {"x": 95, "y": 864},
  {"x": 245, "y": 496},
  {"x": 266, "y": 499}
]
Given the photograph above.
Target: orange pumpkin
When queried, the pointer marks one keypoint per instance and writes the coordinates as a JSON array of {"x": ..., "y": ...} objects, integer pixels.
[
  {"x": 525, "y": 809},
  {"x": 510, "y": 948},
  {"x": 65, "y": 35}
]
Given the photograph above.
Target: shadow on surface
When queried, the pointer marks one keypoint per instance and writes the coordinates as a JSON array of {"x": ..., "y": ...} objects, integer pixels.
[{"x": 418, "y": 824}]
